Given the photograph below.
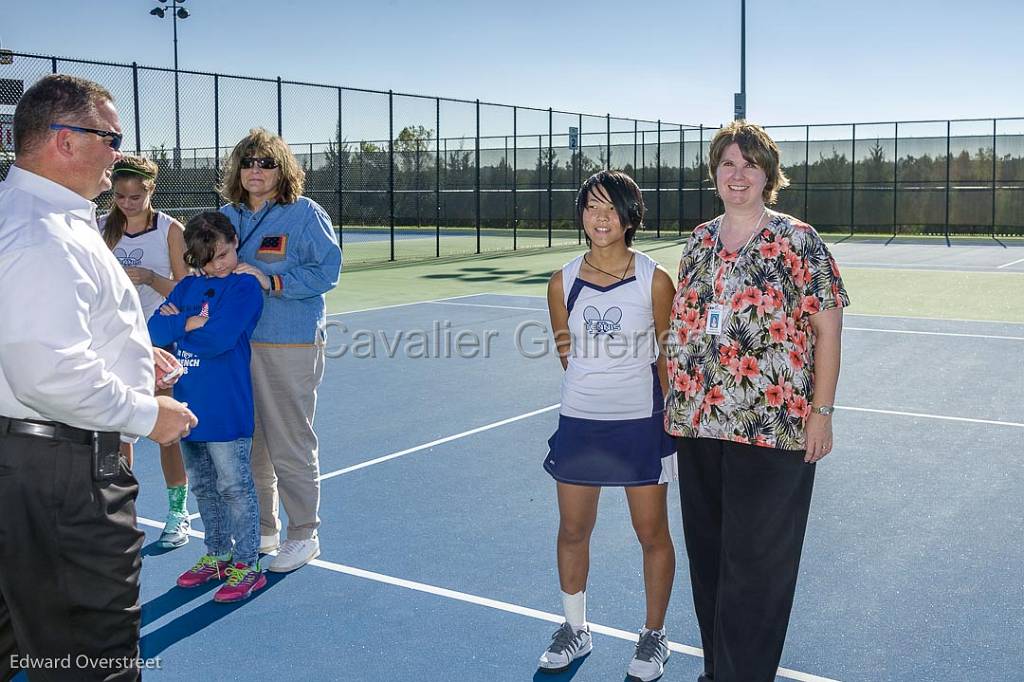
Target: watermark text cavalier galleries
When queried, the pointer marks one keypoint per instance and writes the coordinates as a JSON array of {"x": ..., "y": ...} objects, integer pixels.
[
  {"x": 84, "y": 662},
  {"x": 532, "y": 339}
]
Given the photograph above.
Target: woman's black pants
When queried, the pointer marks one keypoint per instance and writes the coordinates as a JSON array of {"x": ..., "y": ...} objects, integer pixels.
[{"x": 744, "y": 515}]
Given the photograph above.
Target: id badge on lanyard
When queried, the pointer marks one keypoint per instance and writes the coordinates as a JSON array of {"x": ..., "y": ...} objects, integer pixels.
[{"x": 716, "y": 319}]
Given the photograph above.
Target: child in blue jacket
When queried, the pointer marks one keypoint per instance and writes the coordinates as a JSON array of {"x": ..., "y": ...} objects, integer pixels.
[{"x": 210, "y": 318}]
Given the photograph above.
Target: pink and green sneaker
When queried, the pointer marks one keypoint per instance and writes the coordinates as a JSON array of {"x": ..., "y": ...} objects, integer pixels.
[
  {"x": 242, "y": 582},
  {"x": 206, "y": 569}
]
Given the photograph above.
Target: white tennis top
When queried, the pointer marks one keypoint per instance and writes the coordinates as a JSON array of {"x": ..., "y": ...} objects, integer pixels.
[
  {"x": 149, "y": 250},
  {"x": 613, "y": 346}
]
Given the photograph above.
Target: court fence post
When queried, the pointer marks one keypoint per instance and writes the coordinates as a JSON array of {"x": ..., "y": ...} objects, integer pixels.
[
  {"x": 340, "y": 157},
  {"x": 280, "y": 115},
  {"x": 608, "y": 141},
  {"x": 994, "y": 178},
  {"x": 700, "y": 177},
  {"x": 551, "y": 166},
  {"x": 437, "y": 179},
  {"x": 579, "y": 170},
  {"x": 895, "y": 177},
  {"x": 216, "y": 134},
  {"x": 807, "y": 173},
  {"x": 853, "y": 176},
  {"x": 515, "y": 176},
  {"x": 476, "y": 187},
  {"x": 948, "y": 157},
  {"x": 679, "y": 185},
  {"x": 135, "y": 96},
  {"x": 391, "y": 170},
  {"x": 657, "y": 186}
]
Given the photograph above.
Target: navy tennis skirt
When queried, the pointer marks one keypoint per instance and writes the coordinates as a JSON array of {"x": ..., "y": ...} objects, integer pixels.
[{"x": 625, "y": 452}]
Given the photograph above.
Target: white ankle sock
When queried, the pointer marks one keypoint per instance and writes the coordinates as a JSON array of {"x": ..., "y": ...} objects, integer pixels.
[{"x": 575, "y": 607}]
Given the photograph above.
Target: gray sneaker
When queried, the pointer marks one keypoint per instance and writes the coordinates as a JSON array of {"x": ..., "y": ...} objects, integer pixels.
[
  {"x": 566, "y": 646},
  {"x": 648, "y": 662},
  {"x": 175, "y": 533}
]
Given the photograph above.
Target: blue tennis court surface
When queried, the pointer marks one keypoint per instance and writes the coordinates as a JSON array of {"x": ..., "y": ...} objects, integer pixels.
[{"x": 439, "y": 523}]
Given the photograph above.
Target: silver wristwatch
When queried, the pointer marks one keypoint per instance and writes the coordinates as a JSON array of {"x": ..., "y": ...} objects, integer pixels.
[{"x": 824, "y": 409}]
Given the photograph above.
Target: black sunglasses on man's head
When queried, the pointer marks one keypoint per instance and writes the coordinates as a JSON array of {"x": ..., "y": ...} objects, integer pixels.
[
  {"x": 264, "y": 162},
  {"x": 115, "y": 138}
]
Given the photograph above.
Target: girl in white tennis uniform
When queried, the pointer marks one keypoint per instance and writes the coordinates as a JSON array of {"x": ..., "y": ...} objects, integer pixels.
[
  {"x": 608, "y": 308},
  {"x": 151, "y": 247}
]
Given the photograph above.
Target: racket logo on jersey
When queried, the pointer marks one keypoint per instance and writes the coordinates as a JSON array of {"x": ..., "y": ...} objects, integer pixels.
[
  {"x": 128, "y": 259},
  {"x": 597, "y": 324}
]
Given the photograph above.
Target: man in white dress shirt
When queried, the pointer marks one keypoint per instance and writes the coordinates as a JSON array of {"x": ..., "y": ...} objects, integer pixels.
[{"x": 76, "y": 373}]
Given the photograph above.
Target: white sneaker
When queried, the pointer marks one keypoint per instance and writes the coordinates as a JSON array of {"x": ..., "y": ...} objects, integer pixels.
[
  {"x": 648, "y": 662},
  {"x": 567, "y": 645},
  {"x": 295, "y": 554},
  {"x": 176, "y": 529},
  {"x": 268, "y": 543}
]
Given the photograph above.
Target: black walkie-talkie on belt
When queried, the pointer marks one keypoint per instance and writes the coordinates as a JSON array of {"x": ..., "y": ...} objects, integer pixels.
[{"x": 106, "y": 456}]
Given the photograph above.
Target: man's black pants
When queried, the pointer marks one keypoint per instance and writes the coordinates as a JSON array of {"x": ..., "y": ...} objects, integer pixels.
[
  {"x": 69, "y": 564},
  {"x": 744, "y": 515}
]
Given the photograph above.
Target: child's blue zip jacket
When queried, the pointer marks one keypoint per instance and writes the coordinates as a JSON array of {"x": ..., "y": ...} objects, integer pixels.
[{"x": 217, "y": 384}]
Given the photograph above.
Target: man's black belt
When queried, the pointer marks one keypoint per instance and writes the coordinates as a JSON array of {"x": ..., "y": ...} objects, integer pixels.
[{"x": 49, "y": 430}]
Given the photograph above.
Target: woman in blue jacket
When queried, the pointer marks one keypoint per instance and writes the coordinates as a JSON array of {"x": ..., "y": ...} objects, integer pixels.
[{"x": 287, "y": 242}]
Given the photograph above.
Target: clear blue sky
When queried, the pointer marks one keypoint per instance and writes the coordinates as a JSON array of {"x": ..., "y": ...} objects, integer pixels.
[{"x": 808, "y": 61}]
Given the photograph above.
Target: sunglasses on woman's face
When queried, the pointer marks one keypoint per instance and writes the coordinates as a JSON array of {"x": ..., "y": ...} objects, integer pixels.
[{"x": 264, "y": 162}]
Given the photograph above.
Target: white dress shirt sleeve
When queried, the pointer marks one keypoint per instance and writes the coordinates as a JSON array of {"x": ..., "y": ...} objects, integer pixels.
[{"x": 69, "y": 349}]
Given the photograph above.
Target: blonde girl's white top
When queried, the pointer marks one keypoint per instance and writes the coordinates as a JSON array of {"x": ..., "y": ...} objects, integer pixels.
[{"x": 147, "y": 249}]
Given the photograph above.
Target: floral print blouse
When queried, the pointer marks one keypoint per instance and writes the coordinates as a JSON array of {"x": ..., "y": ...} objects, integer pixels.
[{"x": 753, "y": 382}]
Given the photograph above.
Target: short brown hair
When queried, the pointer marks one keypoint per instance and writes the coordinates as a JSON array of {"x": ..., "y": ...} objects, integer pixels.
[
  {"x": 259, "y": 142},
  {"x": 54, "y": 99},
  {"x": 756, "y": 147},
  {"x": 202, "y": 234}
]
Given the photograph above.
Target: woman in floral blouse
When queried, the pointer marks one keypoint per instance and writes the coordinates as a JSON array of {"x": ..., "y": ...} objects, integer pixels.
[{"x": 753, "y": 360}]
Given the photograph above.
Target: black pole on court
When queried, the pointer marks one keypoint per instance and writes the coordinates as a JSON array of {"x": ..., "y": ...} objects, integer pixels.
[
  {"x": 391, "y": 170},
  {"x": 135, "y": 95},
  {"x": 948, "y": 157},
  {"x": 853, "y": 176},
  {"x": 437, "y": 180},
  {"x": 341, "y": 173},
  {"x": 476, "y": 188},
  {"x": 551, "y": 166},
  {"x": 895, "y": 176},
  {"x": 515, "y": 176},
  {"x": 280, "y": 114}
]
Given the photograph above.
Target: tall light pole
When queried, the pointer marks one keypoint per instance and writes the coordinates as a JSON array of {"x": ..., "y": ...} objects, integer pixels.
[
  {"x": 740, "y": 102},
  {"x": 176, "y": 13}
]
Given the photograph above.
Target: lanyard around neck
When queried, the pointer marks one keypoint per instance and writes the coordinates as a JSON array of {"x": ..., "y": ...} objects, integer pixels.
[
  {"x": 254, "y": 227},
  {"x": 739, "y": 254}
]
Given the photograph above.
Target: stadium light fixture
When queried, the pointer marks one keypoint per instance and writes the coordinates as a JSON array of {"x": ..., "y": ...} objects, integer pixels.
[{"x": 176, "y": 13}]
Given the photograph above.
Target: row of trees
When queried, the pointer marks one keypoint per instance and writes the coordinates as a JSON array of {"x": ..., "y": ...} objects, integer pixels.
[{"x": 878, "y": 201}]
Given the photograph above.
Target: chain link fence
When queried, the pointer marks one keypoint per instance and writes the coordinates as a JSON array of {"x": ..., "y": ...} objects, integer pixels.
[{"x": 410, "y": 177}]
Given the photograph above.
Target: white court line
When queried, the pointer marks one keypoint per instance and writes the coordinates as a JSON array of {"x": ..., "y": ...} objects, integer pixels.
[
  {"x": 439, "y": 441},
  {"x": 937, "y": 267},
  {"x": 909, "y": 331},
  {"x": 502, "y": 606},
  {"x": 927, "y": 268},
  {"x": 400, "y": 305},
  {"x": 485, "y": 305},
  {"x": 930, "y": 319},
  {"x": 932, "y": 416},
  {"x": 1006, "y": 265}
]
